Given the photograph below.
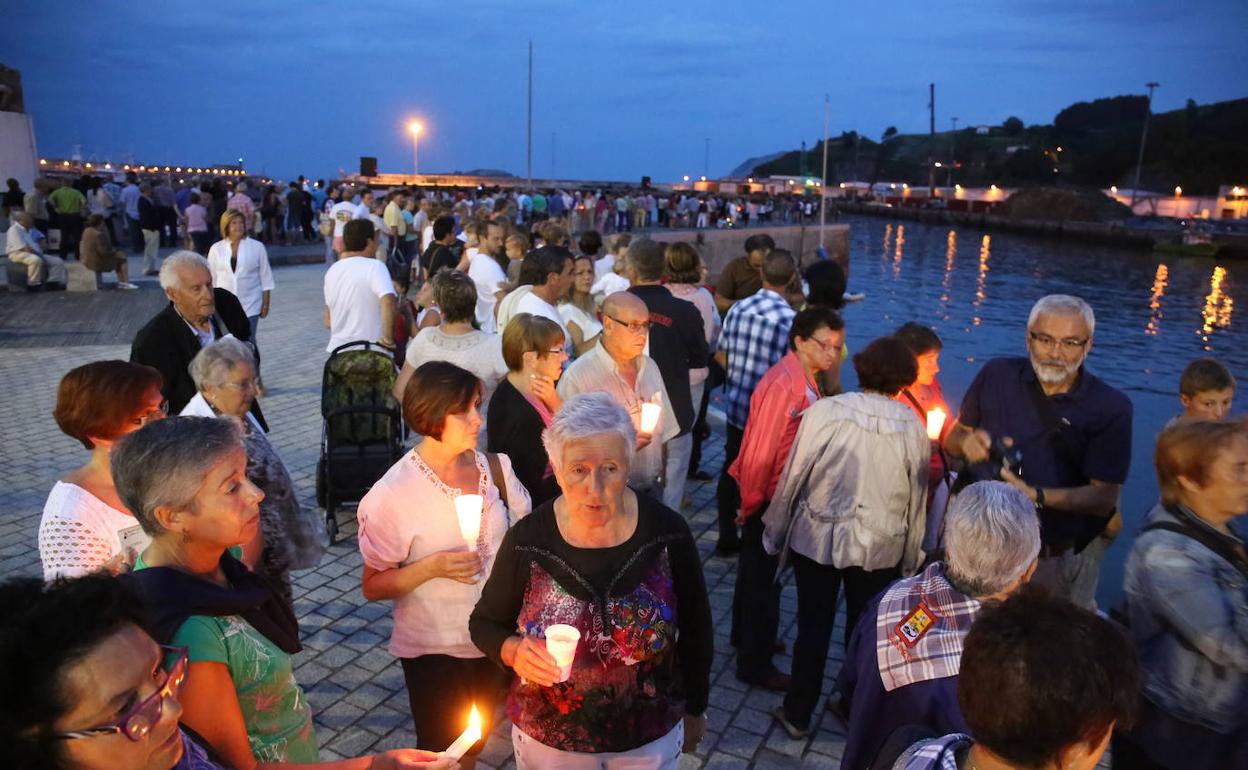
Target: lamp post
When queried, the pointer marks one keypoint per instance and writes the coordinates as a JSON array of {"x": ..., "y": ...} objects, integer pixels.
[
  {"x": 415, "y": 128},
  {"x": 1139, "y": 162}
]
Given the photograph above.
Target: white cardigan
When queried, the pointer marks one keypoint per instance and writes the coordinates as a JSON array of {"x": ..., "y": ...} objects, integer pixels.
[{"x": 250, "y": 280}]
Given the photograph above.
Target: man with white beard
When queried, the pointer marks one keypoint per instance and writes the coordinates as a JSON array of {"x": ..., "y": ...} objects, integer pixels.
[{"x": 1056, "y": 431}]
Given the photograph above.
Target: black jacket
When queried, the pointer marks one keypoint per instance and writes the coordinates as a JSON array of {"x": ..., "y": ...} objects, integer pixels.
[
  {"x": 677, "y": 344},
  {"x": 167, "y": 344},
  {"x": 515, "y": 429},
  {"x": 149, "y": 217}
]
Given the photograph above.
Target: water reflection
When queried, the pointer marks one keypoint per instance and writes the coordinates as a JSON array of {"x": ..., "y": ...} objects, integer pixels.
[
  {"x": 981, "y": 281},
  {"x": 888, "y": 236},
  {"x": 901, "y": 241},
  {"x": 951, "y": 250},
  {"x": 1154, "y": 302},
  {"x": 1218, "y": 304}
]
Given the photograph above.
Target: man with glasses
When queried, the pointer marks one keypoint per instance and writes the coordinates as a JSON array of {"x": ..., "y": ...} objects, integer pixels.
[
  {"x": 619, "y": 367},
  {"x": 1072, "y": 432}
]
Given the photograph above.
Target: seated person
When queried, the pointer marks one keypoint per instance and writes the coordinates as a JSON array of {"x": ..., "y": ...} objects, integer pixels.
[
  {"x": 21, "y": 247},
  {"x": 901, "y": 666},
  {"x": 86, "y": 687}
]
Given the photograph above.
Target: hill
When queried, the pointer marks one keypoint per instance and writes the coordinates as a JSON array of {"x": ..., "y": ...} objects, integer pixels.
[{"x": 1088, "y": 144}]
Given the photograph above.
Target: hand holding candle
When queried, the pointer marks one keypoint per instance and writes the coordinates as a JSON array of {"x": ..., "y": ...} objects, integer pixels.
[
  {"x": 467, "y": 738},
  {"x": 935, "y": 423},
  {"x": 561, "y": 641},
  {"x": 650, "y": 417},
  {"x": 468, "y": 510}
]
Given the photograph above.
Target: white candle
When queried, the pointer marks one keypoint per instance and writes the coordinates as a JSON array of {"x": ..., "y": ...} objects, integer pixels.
[
  {"x": 468, "y": 737},
  {"x": 650, "y": 417},
  {"x": 935, "y": 422},
  {"x": 468, "y": 510},
  {"x": 561, "y": 641}
]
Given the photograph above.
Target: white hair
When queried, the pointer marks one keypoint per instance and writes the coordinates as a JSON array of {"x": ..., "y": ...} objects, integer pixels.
[
  {"x": 586, "y": 415},
  {"x": 213, "y": 363},
  {"x": 1063, "y": 304},
  {"x": 174, "y": 262},
  {"x": 992, "y": 535}
]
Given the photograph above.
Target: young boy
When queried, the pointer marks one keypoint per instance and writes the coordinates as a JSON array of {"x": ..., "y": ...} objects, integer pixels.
[{"x": 1206, "y": 390}]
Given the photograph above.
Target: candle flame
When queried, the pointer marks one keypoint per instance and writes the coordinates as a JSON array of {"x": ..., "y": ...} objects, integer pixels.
[{"x": 474, "y": 724}]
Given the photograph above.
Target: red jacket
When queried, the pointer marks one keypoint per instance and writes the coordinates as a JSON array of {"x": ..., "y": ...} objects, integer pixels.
[{"x": 776, "y": 408}]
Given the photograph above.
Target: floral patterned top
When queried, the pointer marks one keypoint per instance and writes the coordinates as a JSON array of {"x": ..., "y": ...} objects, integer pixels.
[{"x": 641, "y": 607}]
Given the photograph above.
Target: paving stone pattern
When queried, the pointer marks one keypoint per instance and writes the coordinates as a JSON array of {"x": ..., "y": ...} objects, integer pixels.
[{"x": 355, "y": 687}]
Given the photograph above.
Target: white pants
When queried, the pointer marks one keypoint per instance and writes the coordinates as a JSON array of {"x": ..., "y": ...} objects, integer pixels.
[
  {"x": 35, "y": 266},
  {"x": 1074, "y": 576},
  {"x": 661, "y": 754},
  {"x": 675, "y": 470},
  {"x": 151, "y": 250}
]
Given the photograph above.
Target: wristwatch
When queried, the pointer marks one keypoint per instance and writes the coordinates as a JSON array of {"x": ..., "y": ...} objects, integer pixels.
[{"x": 1039, "y": 497}]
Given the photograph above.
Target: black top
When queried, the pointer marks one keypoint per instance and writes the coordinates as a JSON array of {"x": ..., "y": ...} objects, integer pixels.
[
  {"x": 149, "y": 217},
  {"x": 677, "y": 344},
  {"x": 515, "y": 429},
  {"x": 167, "y": 344},
  {"x": 594, "y": 574},
  {"x": 436, "y": 257}
]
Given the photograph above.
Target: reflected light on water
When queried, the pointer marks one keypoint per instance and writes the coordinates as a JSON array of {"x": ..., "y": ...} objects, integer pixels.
[
  {"x": 1154, "y": 302},
  {"x": 1218, "y": 304},
  {"x": 981, "y": 281},
  {"x": 888, "y": 236},
  {"x": 951, "y": 249},
  {"x": 901, "y": 241}
]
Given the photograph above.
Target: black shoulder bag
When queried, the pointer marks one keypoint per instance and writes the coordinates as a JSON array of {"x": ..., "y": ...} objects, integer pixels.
[{"x": 1208, "y": 539}]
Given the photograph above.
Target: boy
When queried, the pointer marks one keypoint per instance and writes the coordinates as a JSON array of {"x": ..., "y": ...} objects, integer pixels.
[{"x": 1206, "y": 390}]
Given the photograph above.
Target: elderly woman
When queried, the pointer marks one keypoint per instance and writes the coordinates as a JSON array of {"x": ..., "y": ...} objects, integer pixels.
[
  {"x": 623, "y": 570},
  {"x": 87, "y": 688},
  {"x": 993, "y": 543},
  {"x": 525, "y": 401},
  {"x": 1187, "y": 599},
  {"x": 577, "y": 309},
  {"x": 85, "y": 526},
  {"x": 1026, "y": 705},
  {"x": 415, "y": 552},
  {"x": 98, "y": 255},
  {"x": 225, "y": 376},
  {"x": 849, "y": 508},
  {"x": 240, "y": 265},
  {"x": 456, "y": 338}
]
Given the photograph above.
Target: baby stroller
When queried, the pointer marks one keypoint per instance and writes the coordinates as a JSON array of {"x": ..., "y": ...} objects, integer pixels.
[{"x": 363, "y": 427}]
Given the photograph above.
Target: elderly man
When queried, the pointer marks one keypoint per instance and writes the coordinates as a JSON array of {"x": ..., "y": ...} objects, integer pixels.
[
  {"x": 196, "y": 315},
  {"x": 1073, "y": 432},
  {"x": 240, "y": 201},
  {"x": 21, "y": 247},
  {"x": 901, "y": 666},
  {"x": 620, "y": 368}
]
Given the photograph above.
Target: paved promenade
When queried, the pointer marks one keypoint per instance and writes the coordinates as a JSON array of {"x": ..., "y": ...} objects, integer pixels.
[{"x": 355, "y": 686}]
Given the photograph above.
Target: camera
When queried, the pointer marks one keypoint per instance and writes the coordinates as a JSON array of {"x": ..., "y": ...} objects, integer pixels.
[{"x": 1002, "y": 456}]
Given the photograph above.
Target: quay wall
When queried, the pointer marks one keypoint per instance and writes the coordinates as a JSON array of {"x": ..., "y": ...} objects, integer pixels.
[{"x": 719, "y": 247}]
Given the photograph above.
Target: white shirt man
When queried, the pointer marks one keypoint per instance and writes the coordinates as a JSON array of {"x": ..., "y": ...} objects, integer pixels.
[
  {"x": 488, "y": 275},
  {"x": 359, "y": 295},
  {"x": 21, "y": 247}
]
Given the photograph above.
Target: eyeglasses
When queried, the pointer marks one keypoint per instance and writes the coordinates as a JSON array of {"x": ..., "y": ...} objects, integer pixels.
[
  {"x": 826, "y": 347},
  {"x": 241, "y": 386},
  {"x": 136, "y": 723},
  {"x": 153, "y": 415},
  {"x": 1068, "y": 345},
  {"x": 636, "y": 327}
]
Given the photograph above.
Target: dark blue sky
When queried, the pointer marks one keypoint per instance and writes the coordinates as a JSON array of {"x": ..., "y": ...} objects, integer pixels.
[{"x": 629, "y": 88}]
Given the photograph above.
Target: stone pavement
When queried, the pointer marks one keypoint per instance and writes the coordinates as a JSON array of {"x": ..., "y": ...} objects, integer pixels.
[{"x": 355, "y": 686}]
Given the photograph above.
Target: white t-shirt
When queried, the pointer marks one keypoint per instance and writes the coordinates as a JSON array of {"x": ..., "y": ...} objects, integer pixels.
[
  {"x": 477, "y": 351},
  {"x": 531, "y": 303},
  {"x": 341, "y": 213},
  {"x": 354, "y": 287},
  {"x": 589, "y": 324},
  {"x": 603, "y": 266},
  {"x": 486, "y": 273},
  {"x": 79, "y": 532},
  {"x": 410, "y": 514},
  {"x": 609, "y": 284},
  {"x": 361, "y": 211}
]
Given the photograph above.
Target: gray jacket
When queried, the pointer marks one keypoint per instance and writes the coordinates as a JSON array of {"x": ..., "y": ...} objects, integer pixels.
[{"x": 853, "y": 492}]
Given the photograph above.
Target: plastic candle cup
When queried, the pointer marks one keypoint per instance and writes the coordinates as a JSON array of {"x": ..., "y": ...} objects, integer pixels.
[
  {"x": 935, "y": 423},
  {"x": 468, "y": 510},
  {"x": 561, "y": 641},
  {"x": 650, "y": 417}
]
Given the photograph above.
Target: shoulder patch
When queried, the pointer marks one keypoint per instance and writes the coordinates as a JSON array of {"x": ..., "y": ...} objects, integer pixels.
[{"x": 912, "y": 628}]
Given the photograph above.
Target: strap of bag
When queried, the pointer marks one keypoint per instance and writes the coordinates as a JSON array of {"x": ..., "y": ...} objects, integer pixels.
[
  {"x": 1208, "y": 539},
  {"x": 496, "y": 474}
]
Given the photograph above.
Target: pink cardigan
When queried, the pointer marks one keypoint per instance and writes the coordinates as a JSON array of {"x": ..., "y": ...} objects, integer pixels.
[{"x": 776, "y": 408}]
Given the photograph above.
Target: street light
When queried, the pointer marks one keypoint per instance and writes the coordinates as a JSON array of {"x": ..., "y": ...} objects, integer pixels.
[
  {"x": 415, "y": 128},
  {"x": 1139, "y": 161}
]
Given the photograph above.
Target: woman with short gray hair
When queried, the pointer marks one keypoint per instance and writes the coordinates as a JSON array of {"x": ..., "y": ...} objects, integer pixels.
[
  {"x": 225, "y": 375},
  {"x": 902, "y": 661},
  {"x": 623, "y": 570}
]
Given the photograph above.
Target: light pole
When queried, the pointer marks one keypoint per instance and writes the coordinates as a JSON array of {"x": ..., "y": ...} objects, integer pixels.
[
  {"x": 706, "y": 158},
  {"x": 953, "y": 152},
  {"x": 415, "y": 128},
  {"x": 1139, "y": 161}
]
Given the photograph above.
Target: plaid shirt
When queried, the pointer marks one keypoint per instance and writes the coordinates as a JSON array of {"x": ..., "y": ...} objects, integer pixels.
[
  {"x": 944, "y": 616},
  {"x": 936, "y": 753},
  {"x": 755, "y": 337}
]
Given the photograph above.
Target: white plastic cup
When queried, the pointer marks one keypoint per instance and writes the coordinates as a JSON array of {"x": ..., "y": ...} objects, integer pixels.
[
  {"x": 468, "y": 511},
  {"x": 650, "y": 417},
  {"x": 561, "y": 642}
]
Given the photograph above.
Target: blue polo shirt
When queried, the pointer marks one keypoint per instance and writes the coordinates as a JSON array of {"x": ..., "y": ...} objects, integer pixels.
[{"x": 1097, "y": 431}]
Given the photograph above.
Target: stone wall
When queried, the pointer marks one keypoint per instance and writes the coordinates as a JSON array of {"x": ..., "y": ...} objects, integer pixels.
[{"x": 718, "y": 247}]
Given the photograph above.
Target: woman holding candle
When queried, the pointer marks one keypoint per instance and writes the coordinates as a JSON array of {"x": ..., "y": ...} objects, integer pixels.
[
  {"x": 928, "y": 402},
  {"x": 412, "y": 538},
  {"x": 525, "y": 401},
  {"x": 623, "y": 571}
]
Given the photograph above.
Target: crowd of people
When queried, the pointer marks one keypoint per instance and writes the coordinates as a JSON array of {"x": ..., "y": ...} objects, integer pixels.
[{"x": 562, "y": 387}]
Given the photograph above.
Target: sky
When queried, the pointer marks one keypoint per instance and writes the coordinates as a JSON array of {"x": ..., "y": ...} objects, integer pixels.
[{"x": 620, "y": 90}]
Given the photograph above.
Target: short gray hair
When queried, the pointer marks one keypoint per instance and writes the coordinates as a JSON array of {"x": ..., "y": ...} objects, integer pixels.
[
  {"x": 586, "y": 415},
  {"x": 1063, "y": 304},
  {"x": 992, "y": 535},
  {"x": 164, "y": 463},
  {"x": 213, "y": 363},
  {"x": 177, "y": 260}
]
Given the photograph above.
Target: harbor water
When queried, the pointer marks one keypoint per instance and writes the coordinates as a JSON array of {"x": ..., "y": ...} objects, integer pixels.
[{"x": 1154, "y": 313}]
